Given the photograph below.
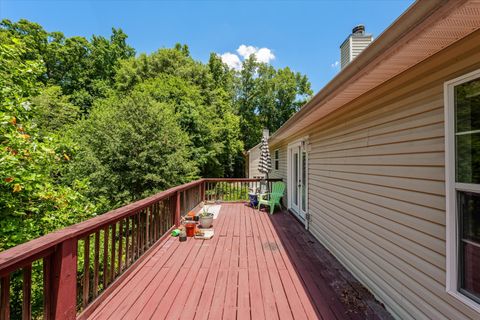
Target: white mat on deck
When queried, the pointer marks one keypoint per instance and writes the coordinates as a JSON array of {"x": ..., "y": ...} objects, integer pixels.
[{"x": 213, "y": 208}]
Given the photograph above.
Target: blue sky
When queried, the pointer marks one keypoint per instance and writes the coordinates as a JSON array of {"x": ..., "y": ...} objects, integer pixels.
[{"x": 304, "y": 35}]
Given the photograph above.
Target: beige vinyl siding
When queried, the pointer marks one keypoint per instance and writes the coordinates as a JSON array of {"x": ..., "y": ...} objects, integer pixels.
[
  {"x": 377, "y": 186},
  {"x": 359, "y": 43},
  {"x": 253, "y": 160},
  {"x": 345, "y": 53},
  {"x": 281, "y": 173}
]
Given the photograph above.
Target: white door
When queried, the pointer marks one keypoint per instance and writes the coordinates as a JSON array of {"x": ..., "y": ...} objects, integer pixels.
[{"x": 297, "y": 180}]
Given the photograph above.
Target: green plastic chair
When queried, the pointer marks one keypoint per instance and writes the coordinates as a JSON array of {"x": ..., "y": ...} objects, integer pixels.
[{"x": 273, "y": 198}]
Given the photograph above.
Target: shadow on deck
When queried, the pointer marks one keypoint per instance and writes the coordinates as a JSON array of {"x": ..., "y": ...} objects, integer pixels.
[{"x": 256, "y": 267}]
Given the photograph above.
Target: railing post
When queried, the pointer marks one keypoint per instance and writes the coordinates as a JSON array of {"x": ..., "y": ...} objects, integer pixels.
[
  {"x": 177, "y": 210},
  {"x": 63, "y": 280}
]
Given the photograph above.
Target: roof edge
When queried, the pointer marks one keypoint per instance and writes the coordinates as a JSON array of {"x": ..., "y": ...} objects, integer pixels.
[{"x": 399, "y": 32}]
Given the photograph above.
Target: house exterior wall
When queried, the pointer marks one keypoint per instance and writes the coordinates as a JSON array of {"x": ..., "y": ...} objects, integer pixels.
[
  {"x": 377, "y": 186},
  {"x": 253, "y": 159},
  {"x": 281, "y": 173}
]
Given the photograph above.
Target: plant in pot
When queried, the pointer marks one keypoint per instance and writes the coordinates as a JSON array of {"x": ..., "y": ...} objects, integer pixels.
[{"x": 205, "y": 218}]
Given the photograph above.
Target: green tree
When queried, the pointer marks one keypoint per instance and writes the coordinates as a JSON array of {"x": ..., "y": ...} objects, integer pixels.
[
  {"x": 32, "y": 202},
  {"x": 85, "y": 70},
  {"x": 131, "y": 147},
  {"x": 53, "y": 110},
  {"x": 267, "y": 97},
  {"x": 202, "y": 96}
]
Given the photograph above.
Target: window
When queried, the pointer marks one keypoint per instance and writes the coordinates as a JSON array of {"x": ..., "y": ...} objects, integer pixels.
[
  {"x": 277, "y": 159},
  {"x": 462, "y": 114}
]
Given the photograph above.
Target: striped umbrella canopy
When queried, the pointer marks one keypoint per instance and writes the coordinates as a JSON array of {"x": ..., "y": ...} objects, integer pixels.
[{"x": 265, "y": 162}]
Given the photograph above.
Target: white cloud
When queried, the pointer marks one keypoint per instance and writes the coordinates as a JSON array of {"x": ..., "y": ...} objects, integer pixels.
[
  {"x": 231, "y": 60},
  {"x": 336, "y": 64},
  {"x": 246, "y": 51},
  {"x": 264, "y": 55}
]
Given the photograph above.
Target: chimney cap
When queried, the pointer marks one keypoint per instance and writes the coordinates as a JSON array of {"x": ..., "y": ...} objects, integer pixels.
[{"x": 358, "y": 29}]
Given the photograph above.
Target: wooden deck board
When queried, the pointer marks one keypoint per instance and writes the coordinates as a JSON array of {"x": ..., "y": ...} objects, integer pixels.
[{"x": 256, "y": 267}]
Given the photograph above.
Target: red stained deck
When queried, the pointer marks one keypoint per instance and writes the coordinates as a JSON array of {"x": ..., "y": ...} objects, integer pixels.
[{"x": 251, "y": 269}]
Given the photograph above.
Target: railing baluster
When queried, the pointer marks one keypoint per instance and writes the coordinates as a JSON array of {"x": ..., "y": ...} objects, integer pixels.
[
  {"x": 86, "y": 270},
  {"x": 134, "y": 238},
  {"x": 106, "y": 232},
  {"x": 95, "y": 263},
  {"x": 177, "y": 210},
  {"x": 139, "y": 235},
  {"x": 166, "y": 215},
  {"x": 157, "y": 221},
  {"x": 199, "y": 193},
  {"x": 5, "y": 298},
  {"x": 147, "y": 226},
  {"x": 142, "y": 232},
  {"x": 163, "y": 216},
  {"x": 154, "y": 223},
  {"x": 184, "y": 204},
  {"x": 127, "y": 242},
  {"x": 150, "y": 224},
  {"x": 120, "y": 247},
  {"x": 47, "y": 292},
  {"x": 27, "y": 293},
  {"x": 112, "y": 254}
]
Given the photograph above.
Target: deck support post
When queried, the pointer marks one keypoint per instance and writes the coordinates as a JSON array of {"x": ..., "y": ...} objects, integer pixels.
[
  {"x": 63, "y": 280},
  {"x": 177, "y": 210}
]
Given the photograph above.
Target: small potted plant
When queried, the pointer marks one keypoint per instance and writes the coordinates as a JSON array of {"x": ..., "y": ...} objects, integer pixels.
[{"x": 206, "y": 218}]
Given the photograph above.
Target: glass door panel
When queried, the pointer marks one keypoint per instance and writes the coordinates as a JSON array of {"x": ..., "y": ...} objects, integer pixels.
[
  {"x": 303, "y": 185},
  {"x": 297, "y": 183},
  {"x": 295, "y": 178}
]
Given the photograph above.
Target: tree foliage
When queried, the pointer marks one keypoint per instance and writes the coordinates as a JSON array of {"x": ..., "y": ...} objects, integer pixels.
[
  {"x": 203, "y": 104},
  {"x": 83, "y": 69},
  {"x": 31, "y": 202},
  {"x": 131, "y": 147},
  {"x": 267, "y": 97},
  {"x": 87, "y": 126}
]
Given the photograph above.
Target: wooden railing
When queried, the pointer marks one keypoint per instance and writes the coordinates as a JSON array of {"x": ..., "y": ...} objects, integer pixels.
[
  {"x": 77, "y": 267},
  {"x": 228, "y": 190}
]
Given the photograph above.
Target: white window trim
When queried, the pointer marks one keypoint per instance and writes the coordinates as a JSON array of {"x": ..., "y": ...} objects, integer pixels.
[
  {"x": 451, "y": 187},
  {"x": 276, "y": 160},
  {"x": 305, "y": 142}
]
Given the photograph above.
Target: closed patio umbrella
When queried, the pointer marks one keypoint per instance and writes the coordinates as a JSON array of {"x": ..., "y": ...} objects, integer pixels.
[{"x": 265, "y": 162}]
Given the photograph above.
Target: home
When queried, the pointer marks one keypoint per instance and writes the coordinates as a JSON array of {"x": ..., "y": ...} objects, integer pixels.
[
  {"x": 383, "y": 164},
  {"x": 383, "y": 175}
]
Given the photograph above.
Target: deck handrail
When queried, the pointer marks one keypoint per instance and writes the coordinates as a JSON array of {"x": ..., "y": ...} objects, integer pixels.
[
  {"x": 31, "y": 248},
  {"x": 149, "y": 217}
]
